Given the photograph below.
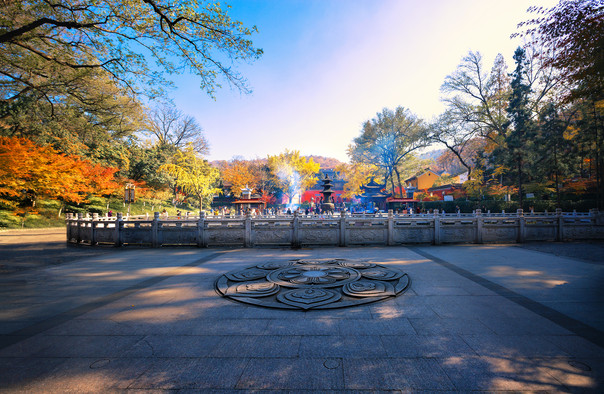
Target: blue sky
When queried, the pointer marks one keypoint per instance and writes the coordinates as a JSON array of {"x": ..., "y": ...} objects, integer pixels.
[{"x": 330, "y": 65}]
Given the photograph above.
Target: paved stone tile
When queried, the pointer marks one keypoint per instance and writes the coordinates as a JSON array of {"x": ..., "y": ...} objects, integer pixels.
[
  {"x": 425, "y": 346},
  {"x": 293, "y": 374},
  {"x": 91, "y": 327},
  {"x": 198, "y": 373},
  {"x": 576, "y": 346},
  {"x": 341, "y": 346},
  {"x": 257, "y": 312},
  {"x": 442, "y": 326},
  {"x": 577, "y": 375},
  {"x": 461, "y": 307},
  {"x": 228, "y": 327},
  {"x": 88, "y": 345},
  {"x": 26, "y": 347},
  {"x": 396, "y": 326},
  {"x": 174, "y": 346},
  {"x": 302, "y": 326},
  {"x": 357, "y": 312},
  {"x": 87, "y": 375},
  {"x": 499, "y": 374},
  {"x": 425, "y": 289},
  {"x": 8, "y": 327},
  {"x": 513, "y": 346},
  {"x": 256, "y": 346},
  {"x": 395, "y": 374},
  {"x": 15, "y": 373},
  {"x": 405, "y": 306},
  {"x": 534, "y": 325}
]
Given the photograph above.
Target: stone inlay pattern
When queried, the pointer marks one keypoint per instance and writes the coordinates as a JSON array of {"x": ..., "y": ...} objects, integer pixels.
[{"x": 312, "y": 284}]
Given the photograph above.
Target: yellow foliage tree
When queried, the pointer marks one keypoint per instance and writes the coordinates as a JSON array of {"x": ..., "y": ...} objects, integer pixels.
[
  {"x": 293, "y": 173},
  {"x": 193, "y": 175},
  {"x": 356, "y": 175}
]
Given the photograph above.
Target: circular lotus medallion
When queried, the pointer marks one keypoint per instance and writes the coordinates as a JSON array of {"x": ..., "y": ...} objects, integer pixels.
[{"x": 312, "y": 284}]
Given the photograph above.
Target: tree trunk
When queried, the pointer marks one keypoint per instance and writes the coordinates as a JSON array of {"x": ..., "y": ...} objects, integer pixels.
[
  {"x": 400, "y": 185},
  {"x": 520, "y": 182},
  {"x": 392, "y": 182},
  {"x": 556, "y": 171}
]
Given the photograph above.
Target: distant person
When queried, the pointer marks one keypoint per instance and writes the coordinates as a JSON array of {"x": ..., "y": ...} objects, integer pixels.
[{"x": 110, "y": 213}]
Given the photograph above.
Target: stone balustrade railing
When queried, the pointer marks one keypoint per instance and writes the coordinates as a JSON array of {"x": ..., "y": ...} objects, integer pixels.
[{"x": 335, "y": 230}]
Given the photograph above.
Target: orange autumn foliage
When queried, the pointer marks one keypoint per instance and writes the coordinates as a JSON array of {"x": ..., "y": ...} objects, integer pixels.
[
  {"x": 27, "y": 169},
  {"x": 239, "y": 174}
]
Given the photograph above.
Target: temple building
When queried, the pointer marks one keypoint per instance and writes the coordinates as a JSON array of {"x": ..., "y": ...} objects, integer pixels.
[
  {"x": 373, "y": 195},
  {"x": 249, "y": 201}
]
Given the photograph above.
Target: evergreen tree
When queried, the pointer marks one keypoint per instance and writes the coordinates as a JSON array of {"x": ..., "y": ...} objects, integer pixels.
[{"x": 520, "y": 136}]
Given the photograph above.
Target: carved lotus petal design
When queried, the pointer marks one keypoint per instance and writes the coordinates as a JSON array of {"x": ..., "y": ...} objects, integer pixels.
[
  {"x": 312, "y": 284},
  {"x": 308, "y": 298},
  {"x": 356, "y": 264},
  {"x": 365, "y": 288},
  {"x": 381, "y": 273},
  {"x": 319, "y": 275},
  {"x": 273, "y": 265},
  {"x": 246, "y": 274},
  {"x": 254, "y": 289},
  {"x": 307, "y": 262}
]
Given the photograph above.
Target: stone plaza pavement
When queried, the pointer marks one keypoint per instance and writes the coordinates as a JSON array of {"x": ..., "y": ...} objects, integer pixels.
[{"x": 475, "y": 318}]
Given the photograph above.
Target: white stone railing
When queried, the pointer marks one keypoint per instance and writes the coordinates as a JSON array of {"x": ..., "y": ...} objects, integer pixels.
[{"x": 335, "y": 230}]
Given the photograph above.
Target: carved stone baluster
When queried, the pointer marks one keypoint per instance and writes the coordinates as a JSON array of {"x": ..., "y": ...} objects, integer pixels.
[
  {"x": 521, "y": 227},
  {"x": 296, "y": 230},
  {"x": 117, "y": 236},
  {"x": 390, "y": 239},
  {"x": 155, "y": 231},
  {"x": 479, "y": 222},
  {"x": 93, "y": 224}
]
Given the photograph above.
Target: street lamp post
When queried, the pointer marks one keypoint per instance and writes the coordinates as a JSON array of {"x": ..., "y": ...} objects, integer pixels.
[{"x": 129, "y": 195}]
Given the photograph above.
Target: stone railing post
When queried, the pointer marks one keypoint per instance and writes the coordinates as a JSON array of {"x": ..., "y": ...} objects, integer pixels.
[
  {"x": 247, "y": 242},
  {"x": 436, "y": 228},
  {"x": 390, "y": 239},
  {"x": 93, "y": 224},
  {"x": 343, "y": 238},
  {"x": 598, "y": 218},
  {"x": 296, "y": 230},
  {"x": 201, "y": 223},
  {"x": 155, "y": 231},
  {"x": 68, "y": 226},
  {"x": 560, "y": 225},
  {"x": 479, "y": 221},
  {"x": 117, "y": 236},
  {"x": 79, "y": 227},
  {"x": 521, "y": 229}
]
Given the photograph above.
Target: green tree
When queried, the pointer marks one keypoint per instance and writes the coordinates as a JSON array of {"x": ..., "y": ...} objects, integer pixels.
[
  {"x": 193, "y": 175},
  {"x": 47, "y": 44},
  {"x": 554, "y": 148},
  {"x": 520, "y": 137},
  {"x": 387, "y": 140}
]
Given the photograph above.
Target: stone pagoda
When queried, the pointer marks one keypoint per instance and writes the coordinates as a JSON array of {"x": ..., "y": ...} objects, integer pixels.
[
  {"x": 373, "y": 195},
  {"x": 327, "y": 205}
]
